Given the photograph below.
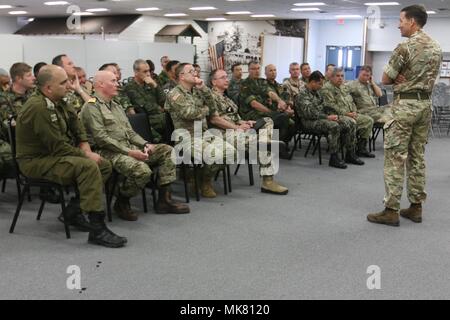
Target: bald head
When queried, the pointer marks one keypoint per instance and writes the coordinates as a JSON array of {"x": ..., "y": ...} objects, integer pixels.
[
  {"x": 105, "y": 84},
  {"x": 52, "y": 80},
  {"x": 271, "y": 72}
]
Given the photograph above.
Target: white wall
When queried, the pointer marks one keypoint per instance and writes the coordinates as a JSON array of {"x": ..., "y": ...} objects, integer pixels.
[
  {"x": 313, "y": 38},
  {"x": 8, "y": 25}
]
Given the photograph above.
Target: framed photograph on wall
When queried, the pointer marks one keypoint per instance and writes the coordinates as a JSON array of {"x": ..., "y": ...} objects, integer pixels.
[{"x": 445, "y": 69}]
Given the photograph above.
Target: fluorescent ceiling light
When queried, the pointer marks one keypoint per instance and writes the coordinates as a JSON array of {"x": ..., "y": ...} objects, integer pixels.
[
  {"x": 305, "y": 9},
  {"x": 239, "y": 12},
  {"x": 5, "y": 6},
  {"x": 308, "y": 4},
  {"x": 262, "y": 15},
  {"x": 97, "y": 10},
  {"x": 30, "y": 19},
  {"x": 147, "y": 9},
  {"x": 381, "y": 4},
  {"x": 431, "y": 12},
  {"x": 56, "y": 3},
  {"x": 84, "y": 13},
  {"x": 17, "y": 12},
  {"x": 175, "y": 15},
  {"x": 215, "y": 19},
  {"x": 202, "y": 8},
  {"x": 343, "y": 16}
]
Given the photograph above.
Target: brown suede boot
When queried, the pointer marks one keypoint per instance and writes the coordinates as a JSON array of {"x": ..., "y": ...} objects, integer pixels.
[
  {"x": 413, "y": 213},
  {"x": 387, "y": 216},
  {"x": 207, "y": 188},
  {"x": 271, "y": 186},
  {"x": 123, "y": 208},
  {"x": 167, "y": 205}
]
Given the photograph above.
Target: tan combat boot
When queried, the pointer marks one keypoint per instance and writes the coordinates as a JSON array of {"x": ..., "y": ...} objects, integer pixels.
[
  {"x": 167, "y": 205},
  {"x": 413, "y": 213},
  {"x": 387, "y": 216},
  {"x": 207, "y": 188},
  {"x": 272, "y": 187},
  {"x": 123, "y": 208}
]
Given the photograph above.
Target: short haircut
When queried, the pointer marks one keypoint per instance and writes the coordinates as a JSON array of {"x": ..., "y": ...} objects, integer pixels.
[
  {"x": 212, "y": 75},
  {"x": 44, "y": 77},
  {"x": 160, "y": 60},
  {"x": 137, "y": 64},
  {"x": 180, "y": 69},
  {"x": 57, "y": 61},
  {"x": 38, "y": 67},
  {"x": 106, "y": 65},
  {"x": 293, "y": 64},
  {"x": 252, "y": 62},
  {"x": 234, "y": 66},
  {"x": 416, "y": 12},
  {"x": 151, "y": 65},
  {"x": 78, "y": 69},
  {"x": 366, "y": 68},
  {"x": 316, "y": 76},
  {"x": 18, "y": 70},
  {"x": 304, "y": 64},
  {"x": 170, "y": 65},
  {"x": 336, "y": 71}
]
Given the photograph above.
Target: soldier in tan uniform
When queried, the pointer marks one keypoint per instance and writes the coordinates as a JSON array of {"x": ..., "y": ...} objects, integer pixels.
[
  {"x": 129, "y": 153},
  {"x": 412, "y": 69},
  {"x": 294, "y": 83}
]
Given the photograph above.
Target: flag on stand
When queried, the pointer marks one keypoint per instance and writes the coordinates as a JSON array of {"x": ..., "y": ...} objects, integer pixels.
[{"x": 216, "y": 55}]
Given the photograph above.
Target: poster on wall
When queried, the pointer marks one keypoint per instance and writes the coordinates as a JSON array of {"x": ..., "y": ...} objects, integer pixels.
[{"x": 242, "y": 41}]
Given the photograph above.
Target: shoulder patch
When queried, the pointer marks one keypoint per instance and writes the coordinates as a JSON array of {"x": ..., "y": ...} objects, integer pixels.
[
  {"x": 92, "y": 100},
  {"x": 54, "y": 117},
  {"x": 50, "y": 104},
  {"x": 176, "y": 96}
]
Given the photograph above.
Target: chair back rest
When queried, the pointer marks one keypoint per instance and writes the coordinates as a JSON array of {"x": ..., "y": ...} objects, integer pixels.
[
  {"x": 383, "y": 100},
  {"x": 12, "y": 140},
  {"x": 169, "y": 129},
  {"x": 140, "y": 124}
]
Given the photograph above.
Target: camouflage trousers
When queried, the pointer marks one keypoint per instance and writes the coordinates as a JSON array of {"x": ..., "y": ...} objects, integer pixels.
[
  {"x": 6, "y": 161},
  {"x": 364, "y": 125},
  {"x": 405, "y": 137},
  {"x": 138, "y": 173},
  {"x": 282, "y": 122},
  {"x": 85, "y": 173},
  {"x": 158, "y": 126},
  {"x": 378, "y": 114},
  {"x": 343, "y": 131}
]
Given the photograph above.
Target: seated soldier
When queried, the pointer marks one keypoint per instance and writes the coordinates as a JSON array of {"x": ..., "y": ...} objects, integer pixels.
[
  {"x": 5, "y": 80},
  {"x": 226, "y": 117},
  {"x": 338, "y": 101},
  {"x": 147, "y": 96},
  {"x": 171, "y": 82},
  {"x": 258, "y": 100},
  {"x": 293, "y": 84},
  {"x": 52, "y": 145},
  {"x": 121, "y": 98},
  {"x": 365, "y": 94},
  {"x": 338, "y": 129},
  {"x": 129, "y": 153},
  {"x": 234, "y": 87}
]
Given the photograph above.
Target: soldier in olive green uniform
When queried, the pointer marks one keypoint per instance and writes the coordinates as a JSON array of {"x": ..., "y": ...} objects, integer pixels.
[
  {"x": 4, "y": 80},
  {"x": 225, "y": 116},
  {"x": 52, "y": 144},
  {"x": 128, "y": 152},
  {"x": 147, "y": 96},
  {"x": 171, "y": 82},
  {"x": 365, "y": 94},
  {"x": 310, "y": 108},
  {"x": 163, "y": 77},
  {"x": 234, "y": 87},
  {"x": 413, "y": 69},
  {"x": 121, "y": 98},
  {"x": 189, "y": 106},
  {"x": 338, "y": 100},
  {"x": 6, "y": 161}
]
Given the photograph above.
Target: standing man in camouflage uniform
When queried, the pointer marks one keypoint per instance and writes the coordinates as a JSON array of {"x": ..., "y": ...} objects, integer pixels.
[
  {"x": 189, "y": 105},
  {"x": 76, "y": 96},
  {"x": 338, "y": 129},
  {"x": 146, "y": 95},
  {"x": 294, "y": 83},
  {"x": 130, "y": 155},
  {"x": 365, "y": 94},
  {"x": 163, "y": 77},
  {"x": 338, "y": 101},
  {"x": 258, "y": 100},
  {"x": 226, "y": 117},
  {"x": 234, "y": 87},
  {"x": 413, "y": 69},
  {"x": 52, "y": 144}
]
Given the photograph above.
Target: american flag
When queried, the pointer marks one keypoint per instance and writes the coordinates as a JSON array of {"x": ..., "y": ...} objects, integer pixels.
[{"x": 216, "y": 55}]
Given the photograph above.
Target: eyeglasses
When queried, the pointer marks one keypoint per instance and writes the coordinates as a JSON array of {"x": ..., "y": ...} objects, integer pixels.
[
  {"x": 190, "y": 71},
  {"x": 221, "y": 78}
]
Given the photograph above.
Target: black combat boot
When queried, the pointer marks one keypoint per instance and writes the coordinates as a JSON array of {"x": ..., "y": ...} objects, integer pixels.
[
  {"x": 336, "y": 162},
  {"x": 167, "y": 205},
  {"x": 362, "y": 149},
  {"x": 353, "y": 159},
  {"x": 123, "y": 208},
  {"x": 101, "y": 235},
  {"x": 75, "y": 217}
]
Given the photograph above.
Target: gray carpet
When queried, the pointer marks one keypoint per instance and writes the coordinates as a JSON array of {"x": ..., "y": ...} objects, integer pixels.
[{"x": 314, "y": 243}]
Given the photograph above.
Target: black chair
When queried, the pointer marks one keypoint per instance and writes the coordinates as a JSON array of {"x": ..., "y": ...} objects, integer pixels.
[
  {"x": 26, "y": 183},
  {"x": 378, "y": 127},
  {"x": 140, "y": 124}
]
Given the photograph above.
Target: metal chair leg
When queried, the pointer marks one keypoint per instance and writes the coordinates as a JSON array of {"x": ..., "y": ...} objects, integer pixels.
[
  {"x": 229, "y": 179},
  {"x": 225, "y": 184},
  {"x": 237, "y": 169},
  {"x": 196, "y": 183},
  {"x": 320, "y": 149},
  {"x": 63, "y": 208},
  {"x": 4, "y": 186},
  {"x": 186, "y": 187},
  {"x": 250, "y": 174},
  {"x": 25, "y": 190},
  {"x": 41, "y": 209},
  {"x": 144, "y": 200}
]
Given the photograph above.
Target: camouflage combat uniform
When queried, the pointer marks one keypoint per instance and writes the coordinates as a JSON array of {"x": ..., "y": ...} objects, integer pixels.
[
  {"x": 418, "y": 59},
  {"x": 234, "y": 89},
  {"x": 75, "y": 100},
  {"x": 163, "y": 78},
  {"x": 11, "y": 102},
  {"x": 293, "y": 87},
  {"x": 170, "y": 85},
  {"x": 113, "y": 137},
  {"x": 150, "y": 100}
]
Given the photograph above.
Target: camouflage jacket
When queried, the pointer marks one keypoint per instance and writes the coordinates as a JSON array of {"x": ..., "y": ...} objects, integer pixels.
[
  {"x": 254, "y": 89},
  {"x": 337, "y": 100},
  {"x": 225, "y": 108},
  {"x": 108, "y": 126},
  {"x": 75, "y": 100},
  {"x": 186, "y": 107},
  {"x": 234, "y": 88},
  {"x": 163, "y": 78},
  {"x": 293, "y": 87},
  {"x": 281, "y": 91},
  {"x": 363, "y": 94},
  {"x": 170, "y": 84},
  {"x": 309, "y": 105},
  {"x": 145, "y": 98},
  {"x": 11, "y": 102},
  {"x": 418, "y": 59}
]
